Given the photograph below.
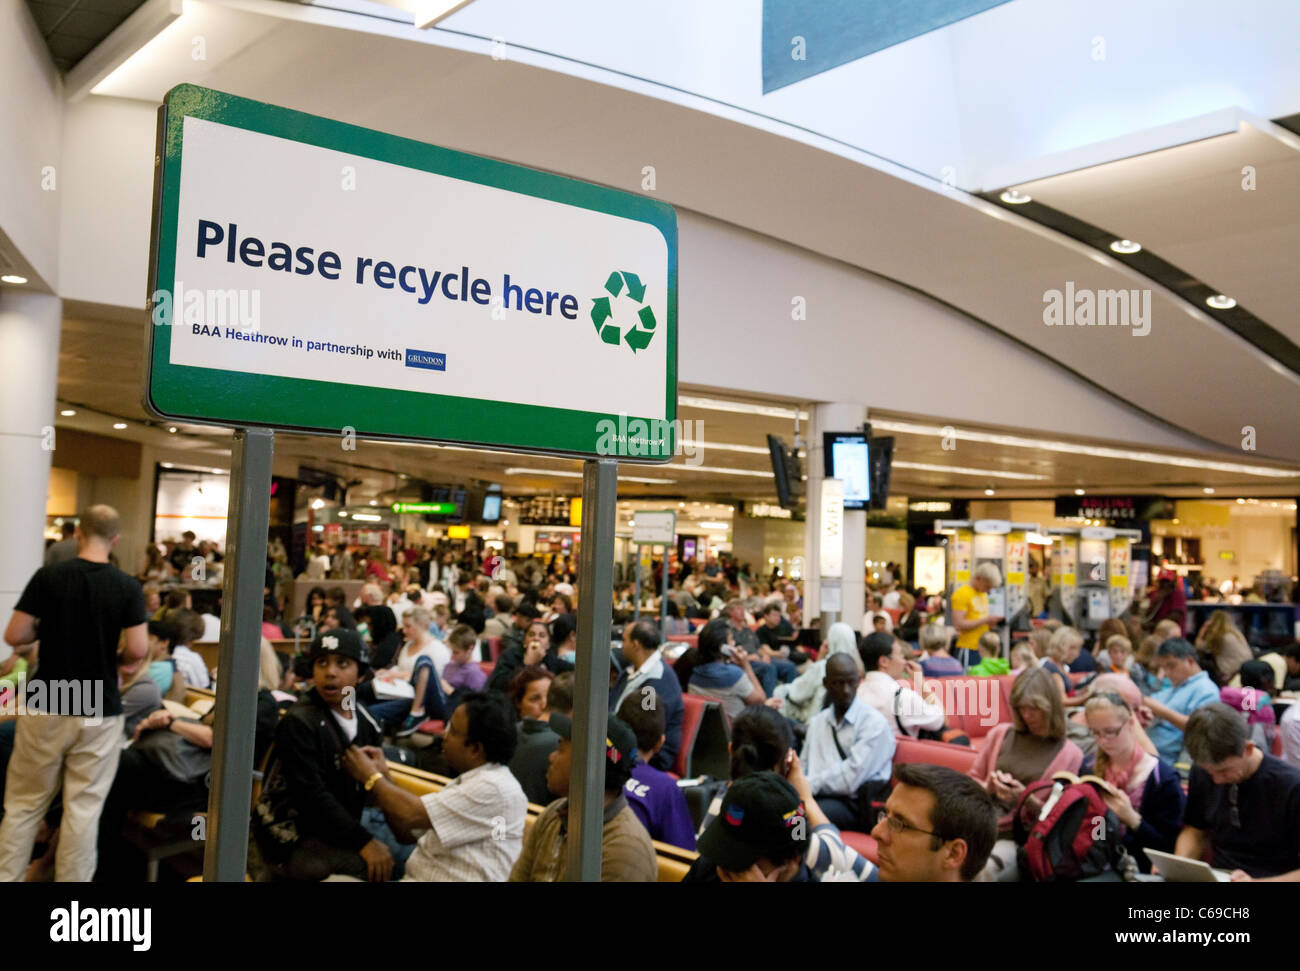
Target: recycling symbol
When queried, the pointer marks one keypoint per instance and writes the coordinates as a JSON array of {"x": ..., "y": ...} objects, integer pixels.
[{"x": 627, "y": 286}]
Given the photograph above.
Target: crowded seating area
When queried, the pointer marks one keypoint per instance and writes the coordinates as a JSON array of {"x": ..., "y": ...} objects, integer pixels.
[{"x": 421, "y": 730}]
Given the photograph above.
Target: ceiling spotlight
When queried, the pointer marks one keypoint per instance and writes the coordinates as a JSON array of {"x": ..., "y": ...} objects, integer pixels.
[
  {"x": 1208, "y": 491},
  {"x": 1078, "y": 492},
  {"x": 1220, "y": 302},
  {"x": 119, "y": 425},
  {"x": 68, "y": 412},
  {"x": 1014, "y": 197},
  {"x": 988, "y": 492},
  {"x": 13, "y": 278},
  {"x": 172, "y": 429},
  {"x": 1241, "y": 502},
  {"x": 1125, "y": 246},
  {"x": 343, "y": 514},
  {"x": 374, "y": 502},
  {"x": 318, "y": 503},
  {"x": 168, "y": 465}
]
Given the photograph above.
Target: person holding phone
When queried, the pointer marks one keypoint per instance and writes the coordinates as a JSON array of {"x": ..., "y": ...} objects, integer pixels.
[{"x": 724, "y": 673}]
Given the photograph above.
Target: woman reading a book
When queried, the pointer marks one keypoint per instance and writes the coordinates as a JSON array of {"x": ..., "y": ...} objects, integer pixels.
[{"x": 1141, "y": 790}]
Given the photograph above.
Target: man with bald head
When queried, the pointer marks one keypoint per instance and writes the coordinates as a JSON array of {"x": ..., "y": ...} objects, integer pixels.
[{"x": 849, "y": 749}]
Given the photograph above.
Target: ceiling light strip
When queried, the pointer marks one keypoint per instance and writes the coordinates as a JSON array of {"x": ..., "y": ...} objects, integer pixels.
[
  {"x": 1095, "y": 451},
  {"x": 960, "y": 470}
]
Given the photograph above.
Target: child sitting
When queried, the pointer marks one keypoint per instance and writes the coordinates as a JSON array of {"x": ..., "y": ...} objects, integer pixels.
[
  {"x": 462, "y": 674},
  {"x": 307, "y": 822},
  {"x": 992, "y": 664}
]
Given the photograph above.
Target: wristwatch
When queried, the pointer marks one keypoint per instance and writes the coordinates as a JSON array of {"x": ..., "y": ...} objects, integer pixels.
[{"x": 374, "y": 778}]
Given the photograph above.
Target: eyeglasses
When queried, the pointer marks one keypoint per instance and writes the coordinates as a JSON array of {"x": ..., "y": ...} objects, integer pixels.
[
  {"x": 1107, "y": 733},
  {"x": 899, "y": 825}
]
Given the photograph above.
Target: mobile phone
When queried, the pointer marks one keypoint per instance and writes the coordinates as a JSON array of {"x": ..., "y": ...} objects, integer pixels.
[{"x": 728, "y": 650}]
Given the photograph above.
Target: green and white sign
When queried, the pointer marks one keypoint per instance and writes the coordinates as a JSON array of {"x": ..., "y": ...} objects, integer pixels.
[{"x": 312, "y": 275}]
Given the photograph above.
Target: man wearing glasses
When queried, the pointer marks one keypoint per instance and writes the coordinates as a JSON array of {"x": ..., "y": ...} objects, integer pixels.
[
  {"x": 1244, "y": 802},
  {"x": 938, "y": 826}
]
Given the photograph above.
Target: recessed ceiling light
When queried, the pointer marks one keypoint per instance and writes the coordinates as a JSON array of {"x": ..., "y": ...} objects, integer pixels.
[
  {"x": 1220, "y": 302},
  {"x": 68, "y": 412},
  {"x": 119, "y": 425},
  {"x": 1241, "y": 502},
  {"x": 172, "y": 429},
  {"x": 374, "y": 502},
  {"x": 988, "y": 492},
  {"x": 13, "y": 278},
  {"x": 1014, "y": 197},
  {"x": 1208, "y": 491},
  {"x": 169, "y": 465},
  {"x": 1125, "y": 246},
  {"x": 1078, "y": 492},
  {"x": 318, "y": 503},
  {"x": 343, "y": 514}
]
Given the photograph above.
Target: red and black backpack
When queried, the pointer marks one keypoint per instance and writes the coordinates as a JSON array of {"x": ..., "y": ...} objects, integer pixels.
[{"x": 1078, "y": 838}]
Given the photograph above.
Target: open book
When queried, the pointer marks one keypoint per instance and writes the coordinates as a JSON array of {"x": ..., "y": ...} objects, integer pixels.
[{"x": 1072, "y": 779}]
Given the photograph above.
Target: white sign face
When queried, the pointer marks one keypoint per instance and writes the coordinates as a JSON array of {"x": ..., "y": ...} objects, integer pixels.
[
  {"x": 314, "y": 275},
  {"x": 832, "y": 528},
  {"x": 928, "y": 568},
  {"x": 992, "y": 526},
  {"x": 831, "y": 600},
  {"x": 654, "y": 528}
]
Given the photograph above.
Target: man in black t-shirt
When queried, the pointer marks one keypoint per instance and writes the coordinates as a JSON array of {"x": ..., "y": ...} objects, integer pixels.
[
  {"x": 775, "y": 632},
  {"x": 70, "y": 730},
  {"x": 1244, "y": 802}
]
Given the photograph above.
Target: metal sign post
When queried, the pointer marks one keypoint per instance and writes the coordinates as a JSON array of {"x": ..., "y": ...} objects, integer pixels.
[
  {"x": 591, "y": 677},
  {"x": 663, "y": 598},
  {"x": 226, "y": 852}
]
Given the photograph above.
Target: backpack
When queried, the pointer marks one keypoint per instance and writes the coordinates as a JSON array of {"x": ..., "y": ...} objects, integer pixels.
[{"x": 1068, "y": 843}]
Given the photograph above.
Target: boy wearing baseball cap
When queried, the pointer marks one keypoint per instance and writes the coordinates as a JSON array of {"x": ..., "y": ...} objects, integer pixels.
[
  {"x": 761, "y": 835},
  {"x": 307, "y": 821},
  {"x": 627, "y": 854}
]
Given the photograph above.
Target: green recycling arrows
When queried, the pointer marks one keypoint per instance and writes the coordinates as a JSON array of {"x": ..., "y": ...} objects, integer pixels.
[{"x": 638, "y": 334}]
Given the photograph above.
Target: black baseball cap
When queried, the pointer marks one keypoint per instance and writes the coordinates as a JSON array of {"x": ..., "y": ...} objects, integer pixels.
[
  {"x": 761, "y": 817},
  {"x": 343, "y": 642},
  {"x": 620, "y": 746}
]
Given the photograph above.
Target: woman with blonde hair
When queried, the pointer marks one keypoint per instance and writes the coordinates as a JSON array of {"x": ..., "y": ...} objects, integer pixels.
[
  {"x": 1227, "y": 650},
  {"x": 1063, "y": 648},
  {"x": 1149, "y": 797}
]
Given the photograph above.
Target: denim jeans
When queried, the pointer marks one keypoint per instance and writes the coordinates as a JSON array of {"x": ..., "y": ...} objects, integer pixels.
[{"x": 392, "y": 712}]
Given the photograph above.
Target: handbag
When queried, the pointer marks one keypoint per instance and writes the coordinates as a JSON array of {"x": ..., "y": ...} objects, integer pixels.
[
  {"x": 871, "y": 796},
  {"x": 176, "y": 757}
]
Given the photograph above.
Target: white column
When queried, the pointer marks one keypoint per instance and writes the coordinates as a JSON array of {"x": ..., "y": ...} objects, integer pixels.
[
  {"x": 30, "y": 324},
  {"x": 839, "y": 417}
]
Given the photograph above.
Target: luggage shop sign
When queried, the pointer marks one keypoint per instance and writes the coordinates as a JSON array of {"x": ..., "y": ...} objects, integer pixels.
[{"x": 313, "y": 275}]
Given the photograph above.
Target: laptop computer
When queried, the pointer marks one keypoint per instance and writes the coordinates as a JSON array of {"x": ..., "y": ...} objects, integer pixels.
[{"x": 1180, "y": 869}]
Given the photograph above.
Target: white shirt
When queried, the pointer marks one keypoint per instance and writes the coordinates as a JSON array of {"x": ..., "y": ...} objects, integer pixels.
[
  {"x": 883, "y": 693},
  {"x": 1289, "y": 726},
  {"x": 436, "y": 651},
  {"x": 191, "y": 667},
  {"x": 867, "y": 740},
  {"x": 477, "y": 831},
  {"x": 211, "y": 628},
  {"x": 890, "y": 600},
  {"x": 652, "y": 668},
  {"x": 318, "y": 567},
  {"x": 868, "y": 623},
  {"x": 349, "y": 725}
]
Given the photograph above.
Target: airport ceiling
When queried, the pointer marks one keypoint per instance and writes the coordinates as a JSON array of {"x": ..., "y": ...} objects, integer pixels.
[
  {"x": 73, "y": 28},
  {"x": 1187, "y": 205},
  {"x": 101, "y": 374}
]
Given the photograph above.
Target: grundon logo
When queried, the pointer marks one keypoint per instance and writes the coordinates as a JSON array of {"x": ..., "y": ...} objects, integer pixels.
[{"x": 624, "y": 315}]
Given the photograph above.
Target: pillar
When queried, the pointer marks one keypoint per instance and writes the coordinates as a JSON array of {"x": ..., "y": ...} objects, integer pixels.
[
  {"x": 30, "y": 325},
  {"x": 839, "y": 417}
]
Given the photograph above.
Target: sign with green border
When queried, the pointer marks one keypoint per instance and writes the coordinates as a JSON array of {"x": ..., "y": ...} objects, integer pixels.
[{"x": 311, "y": 275}]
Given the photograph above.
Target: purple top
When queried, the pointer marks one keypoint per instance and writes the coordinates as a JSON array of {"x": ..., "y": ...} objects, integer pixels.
[
  {"x": 469, "y": 676},
  {"x": 660, "y": 805}
]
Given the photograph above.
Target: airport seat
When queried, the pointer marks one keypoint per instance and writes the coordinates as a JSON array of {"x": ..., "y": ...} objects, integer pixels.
[
  {"x": 487, "y": 666},
  {"x": 691, "y": 717},
  {"x": 431, "y": 726},
  {"x": 894, "y": 614},
  {"x": 493, "y": 649},
  {"x": 690, "y": 640},
  {"x": 958, "y": 757},
  {"x": 863, "y": 843},
  {"x": 673, "y": 861},
  {"x": 1077, "y": 677}
]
